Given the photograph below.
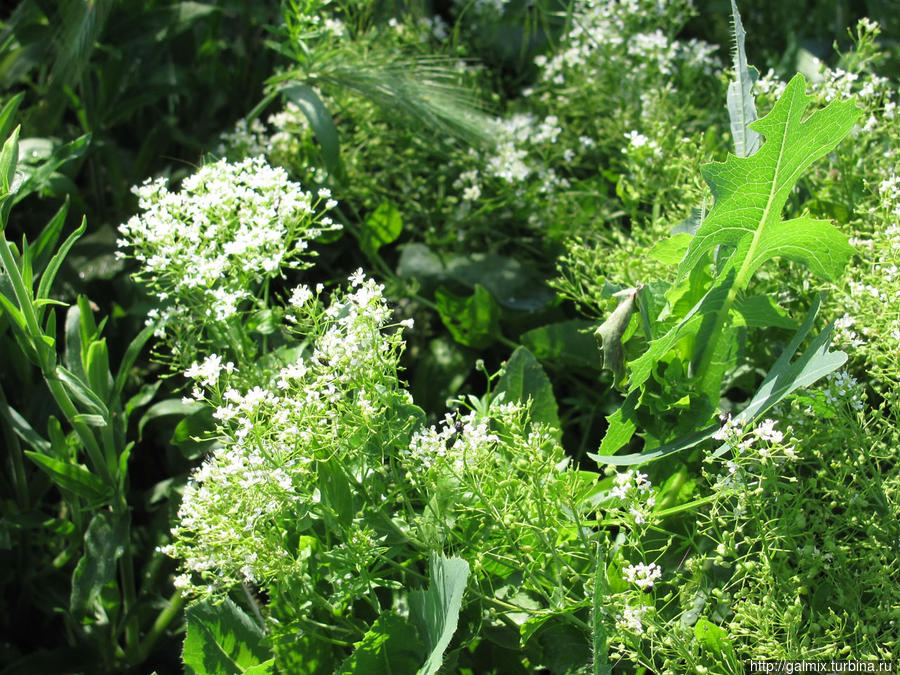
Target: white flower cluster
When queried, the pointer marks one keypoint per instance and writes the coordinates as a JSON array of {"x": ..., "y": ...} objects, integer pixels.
[
  {"x": 461, "y": 439},
  {"x": 207, "y": 246},
  {"x": 632, "y": 619},
  {"x": 643, "y": 576},
  {"x": 842, "y": 388},
  {"x": 741, "y": 439},
  {"x": 272, "y": 436},
  {"x": 633, "y": 488},
  {"x": 515, "y": 157},
  {"x": 626, "y": 37}
]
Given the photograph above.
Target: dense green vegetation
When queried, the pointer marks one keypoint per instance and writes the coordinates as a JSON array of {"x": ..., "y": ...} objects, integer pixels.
[{"x": 475, "y": 336}]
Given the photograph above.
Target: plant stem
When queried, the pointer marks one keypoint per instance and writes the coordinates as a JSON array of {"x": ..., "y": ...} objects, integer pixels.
[
  {"x": 598, "y": 629},
  {"x": 165, "y": 617}
]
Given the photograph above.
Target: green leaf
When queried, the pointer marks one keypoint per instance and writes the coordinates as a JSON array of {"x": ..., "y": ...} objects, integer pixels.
[
  {"x": 128, "y": 359},
  {"x": 72, "y": 477},
  {"x": 750, "y": 192},
  {"x": 435, "y": 611},
  {"x": 39, "y": 177},
  {"x": 8, "y": 157},
  {"x": 566, "y": 342},
  {"x": 97, "y": 369},
  {"x": 104, "y": 543},
  {"x": 383, "y": 226},
  {"x": 82, "y": 393},
  {"x": 524, "y": 379},
  {"x": 57, "y": 260},
  {"x": 166, "y": 407},
  {"x": 7, "y": 115},
  {"x": 712, "y": 638},
  {"x": 741, "y": 104},
  {"x": 785, "y": 376},
  {"x": 671, "y": 250},
  {"x": 688, "y": 441},
  {"x": 472, "y": 321},
  {"x": 391, "y": 645},
  {"x": 511, "y": 283},
  {"x": 305, "y": 98},
  {"x": 23, "y": 429},
  {"x": 222, "y": 639},
  {"x": 336, "y": 494},
  {"x": 760, "y": 311},
  {"x": 191, "y": 434}
]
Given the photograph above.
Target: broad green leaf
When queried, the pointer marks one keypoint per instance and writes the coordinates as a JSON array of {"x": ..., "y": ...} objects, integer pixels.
[
  {"x": 336, "y": 494},
  {"x": 166, "y": 407},
  {"x": 750, "y": 192},
  {"x": 435, "y": 610},
  {"x": 566, "y": 342},
  {"x": 711, "y": 303},
  {"x": 760, "y": 311},
  {"x": 222, "y": 639},
  {"x": 320, "y": 121},
  {"x": 511, "y": 283},
  {"x": 104, "y": 543},
  {"x": 383, "y": 226},
  {"x": 560, "y": 646},
  {"x": 741, "y": 104},
  {"x": 671, "y": 250},
  {"x": 191, "y": 434},
  {"x": 391, "y": 645},
  {"x": 524, "y": 379},
  {"x": 472, "y": 321}
]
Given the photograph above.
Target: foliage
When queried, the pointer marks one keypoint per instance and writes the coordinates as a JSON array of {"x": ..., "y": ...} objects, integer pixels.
[{"x": 363, "y": 437}]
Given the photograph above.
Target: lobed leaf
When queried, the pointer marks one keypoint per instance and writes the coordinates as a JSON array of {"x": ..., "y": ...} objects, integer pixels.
[{"x": 750, "y": 192}]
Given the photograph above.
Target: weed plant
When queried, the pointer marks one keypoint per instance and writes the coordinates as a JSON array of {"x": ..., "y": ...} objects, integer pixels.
[{"x": 389, "y": 441}]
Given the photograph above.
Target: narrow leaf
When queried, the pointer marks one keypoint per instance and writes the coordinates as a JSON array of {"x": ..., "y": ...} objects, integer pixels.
[
  {"x": 741, "y": 105},
  {"x": 72, "y": 477},
  {"x": 7, "y": 115},
  {"x": 305, "y": 98},
  {"x": 57, "y": 260},
  {"x": 128, "y": 359},
  {"x": 82, "y": 392}
]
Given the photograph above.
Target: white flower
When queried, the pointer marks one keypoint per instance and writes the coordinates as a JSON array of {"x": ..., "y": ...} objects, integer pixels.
[{"x": 642, "y": 575}]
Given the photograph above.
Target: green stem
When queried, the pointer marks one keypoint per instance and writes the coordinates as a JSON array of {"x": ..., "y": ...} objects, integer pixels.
[
  {"x": 61, "y": 396},
  {"x": 598, "y": 627},
  {"x": 165, "y": 617},
  {"x": 129, "y": 593}
]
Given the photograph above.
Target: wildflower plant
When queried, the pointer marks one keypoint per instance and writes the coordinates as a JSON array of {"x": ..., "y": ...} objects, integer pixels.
[{"x": 210, "y": 251}]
